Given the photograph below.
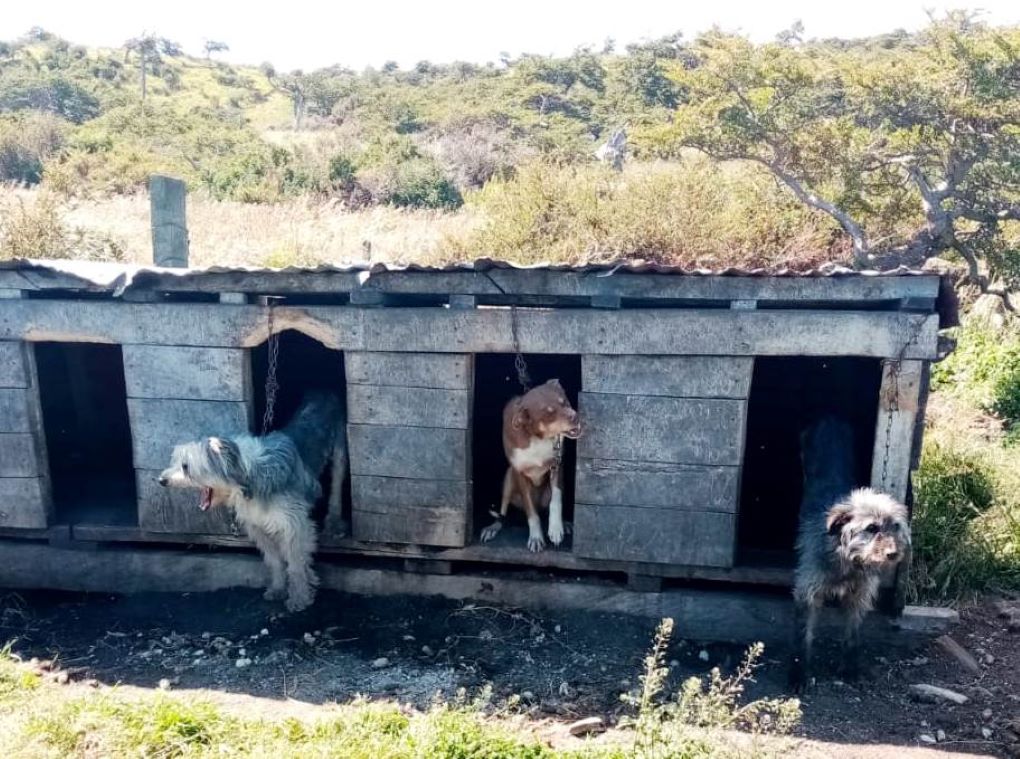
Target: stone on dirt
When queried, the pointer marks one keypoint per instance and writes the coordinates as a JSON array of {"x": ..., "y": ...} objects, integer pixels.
[
  {"x": 930, "y": 692},
  {"x": 587, "y": 726}
]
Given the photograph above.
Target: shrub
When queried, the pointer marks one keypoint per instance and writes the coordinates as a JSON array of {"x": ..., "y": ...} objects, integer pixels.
[
  {"x": 475, "y": 153},
  {"x": 694, "y": 214},
  {"x": 415, "y": 183},
  {"x": 37, "y": 230},
  {"x": 966, "y": 524},
  {"x": 27, "y": 140},
  {"x": 984, "y": 369},
  {"x": 23, "y": 88},
  {"x": 342, "y": 171}
]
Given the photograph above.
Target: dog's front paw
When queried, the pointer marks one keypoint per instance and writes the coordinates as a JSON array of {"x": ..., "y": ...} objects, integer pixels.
[
  {"x": 536, "y": 543},
  {"x": 298, "y": 602},
  {"x": 488, "y": 533},
  {"x": 797, "y": 676},
  {"x": 274, "y": 594},
  {"x": 556, "y": 533}
]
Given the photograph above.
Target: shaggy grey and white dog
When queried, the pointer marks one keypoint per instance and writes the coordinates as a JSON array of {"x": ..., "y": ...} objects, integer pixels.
[
  {"x": 272, "y": 483},
  {"x": 849, "y": 537}
]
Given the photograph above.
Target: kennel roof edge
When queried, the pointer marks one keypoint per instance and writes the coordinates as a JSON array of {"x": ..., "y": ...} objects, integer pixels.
[{"x": 633, "y": 278}]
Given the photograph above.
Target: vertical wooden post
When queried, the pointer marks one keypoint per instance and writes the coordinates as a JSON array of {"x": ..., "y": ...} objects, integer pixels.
[
  {"x": 898, "y": 405},
  {"x": 169, "y": 221}
]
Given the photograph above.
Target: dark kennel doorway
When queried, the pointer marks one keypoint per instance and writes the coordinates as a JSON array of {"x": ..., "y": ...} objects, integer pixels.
[
  {"x": 787, "y": 393},
  {"x": 495, "y": 384},
  {"x": 88, "y": 434},
  {"x": 303, "y": 364}
]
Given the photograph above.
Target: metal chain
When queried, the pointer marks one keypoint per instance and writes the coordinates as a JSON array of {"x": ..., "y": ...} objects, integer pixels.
[
  {"x": 273, "y": 350},
  {"x": 525, "y": 379},
  {"x": 519, "y": 364}
]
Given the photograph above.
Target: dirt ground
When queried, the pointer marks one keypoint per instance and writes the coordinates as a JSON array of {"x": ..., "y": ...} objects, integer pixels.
[{"x": 233, "y": 647}]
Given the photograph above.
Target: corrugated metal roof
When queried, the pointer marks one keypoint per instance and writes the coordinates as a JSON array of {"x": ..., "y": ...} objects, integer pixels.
[{"x": 119, "y": 276}]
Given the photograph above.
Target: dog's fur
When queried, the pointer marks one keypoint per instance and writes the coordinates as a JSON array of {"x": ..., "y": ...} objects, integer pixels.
[
  {"x": 272, "y": 483},
  {"x": 848, "y": 539},
  {"x": 533, "y": 426}
]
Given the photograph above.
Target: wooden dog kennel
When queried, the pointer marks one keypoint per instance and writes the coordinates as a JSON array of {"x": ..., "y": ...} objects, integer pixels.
[{"x": 691, "y": 385}]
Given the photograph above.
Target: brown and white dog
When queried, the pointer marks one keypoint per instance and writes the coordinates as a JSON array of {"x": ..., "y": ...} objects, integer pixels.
[{"x": 534, "y": 426}]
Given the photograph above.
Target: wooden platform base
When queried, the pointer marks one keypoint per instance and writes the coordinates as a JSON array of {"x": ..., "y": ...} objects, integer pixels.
[
  {"x": 723, "y": 615},
  {"x": 508, "y": 549}
]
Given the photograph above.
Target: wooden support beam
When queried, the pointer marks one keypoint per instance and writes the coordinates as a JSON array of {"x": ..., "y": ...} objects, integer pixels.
[
  {"x": 428, "y": 567},
  {"x": 701, "y": 614},
  {"x": 644, "y": 583},
  {"x": 712, "y": 332},
  {"x": 606, "y": 301},
  {"x": 898, "y": 405},
  {"x": 461, "y": 300}
]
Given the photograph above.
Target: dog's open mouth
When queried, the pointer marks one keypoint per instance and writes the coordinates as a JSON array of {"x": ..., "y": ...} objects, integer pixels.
[{"x": 206, "y": 499}]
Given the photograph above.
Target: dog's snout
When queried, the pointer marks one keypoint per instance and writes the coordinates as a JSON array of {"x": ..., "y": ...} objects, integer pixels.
[
  {"x": 892, "y": 554},
  {"x": 162, "y": 480}
]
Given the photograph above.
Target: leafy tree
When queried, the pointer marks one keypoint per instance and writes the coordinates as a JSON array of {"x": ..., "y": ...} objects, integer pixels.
[
  {"x": 150, "y": 50},
  {"x": 214, "y": 46},
  {"x": 25, "y": 88},
  {"x": 929, "y": 134}
]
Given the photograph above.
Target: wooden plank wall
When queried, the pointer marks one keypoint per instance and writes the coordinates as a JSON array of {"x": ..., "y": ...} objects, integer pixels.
[
  {"x": 658, "y": 472},
  {"x": 25, "y": 496},
  {"x": 409, "y": 428},
  {"x": 177, "y": 395}
]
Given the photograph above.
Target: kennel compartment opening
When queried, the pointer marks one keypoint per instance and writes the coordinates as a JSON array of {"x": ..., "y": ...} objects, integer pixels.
[
  {"x": 303, "y": 364},
  {"x": 88, "y": 434},
  {"x": 496, "y": 382},
  {"x": 787, "y": 394}
]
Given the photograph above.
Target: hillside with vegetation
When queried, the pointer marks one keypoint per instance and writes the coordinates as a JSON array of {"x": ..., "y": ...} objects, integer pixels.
[{"x": 788, "y": 154}]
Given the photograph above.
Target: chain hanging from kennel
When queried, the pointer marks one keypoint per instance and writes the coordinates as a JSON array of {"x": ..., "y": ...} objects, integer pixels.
[
  {"x": 273, "y": 353},
  {"x": 524, "y": 377}
]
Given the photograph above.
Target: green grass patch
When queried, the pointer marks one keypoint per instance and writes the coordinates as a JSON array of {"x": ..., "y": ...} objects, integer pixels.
[
  {"x": 42, "y": 719},
  {"x": 966, "y": 523}
]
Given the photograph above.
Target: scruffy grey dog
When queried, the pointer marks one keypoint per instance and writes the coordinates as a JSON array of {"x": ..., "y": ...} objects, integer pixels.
[
  {"x": 848, "y": 539},
  {"x": 271, "y": 483}
]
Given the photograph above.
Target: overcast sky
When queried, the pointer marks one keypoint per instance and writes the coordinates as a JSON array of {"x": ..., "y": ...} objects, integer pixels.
[{"x": 308, "y": 34}]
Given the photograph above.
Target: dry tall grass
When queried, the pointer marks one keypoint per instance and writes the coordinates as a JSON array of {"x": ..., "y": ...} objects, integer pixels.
[{"x": 294, "y": 233}]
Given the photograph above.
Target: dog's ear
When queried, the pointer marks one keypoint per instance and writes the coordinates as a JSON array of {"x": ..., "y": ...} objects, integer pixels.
[
  {"x": 838, "y": 517},
  {"x": 520, "y": 418},
  {"x": 226, "y": 456},
  {"x": 554, "y": 383}
]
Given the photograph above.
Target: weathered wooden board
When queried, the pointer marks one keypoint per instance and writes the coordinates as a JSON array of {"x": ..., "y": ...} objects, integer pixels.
[
  {"x": 163, "y": 509},
  {"x": 24, "y": 502},
  {"x": 408, "y": 406},
  {"x": 423, "y": 453},
  {"x": 376, "y": 493},
  {"x": 448, "y": 371},
  {"x": 714, "y": 332},
  {"x": 670, "y": 430},
  {"x": 187, "y": 324},
  {"x": 899, "y": 400},
  {"x": 419, "y": 525},
  {"x": 14, "y": 413},
  {"x": 668, "y": 536},
  {"x": 12, "y": 364},
  {"x": 18, "y": 455},
  {"x": 424, "y": 512},
  {"x": 165, "y": 371},
  {"x": 169, "y": 220},
  {"x": 652, "y": 331},
  {"x": 675, "y": 376},
  {"x": 669, "y": 486},
  {"x": 157, "y": 425}
]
